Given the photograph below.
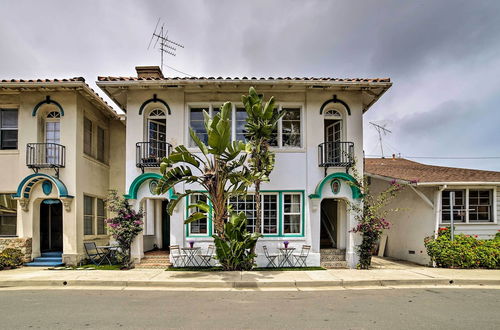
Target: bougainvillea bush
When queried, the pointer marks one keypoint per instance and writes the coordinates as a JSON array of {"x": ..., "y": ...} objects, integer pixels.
[
  {"x": 464, "y": 251},
  {"x": 124, "y": 226}
]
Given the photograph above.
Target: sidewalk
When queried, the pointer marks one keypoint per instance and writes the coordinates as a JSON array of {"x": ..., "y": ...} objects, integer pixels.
[{"x": 385, "y": 274}]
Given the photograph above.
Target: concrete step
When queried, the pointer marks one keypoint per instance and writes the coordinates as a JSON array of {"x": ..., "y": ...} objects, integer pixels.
[
  {"x": 44, "y": 264},
  {"x": 332, "y": 257},
  {"x": 52, "y": 254},
  {"x": 152, "y": 266},
  {"x": 334, "y": 264},
  {"x": 332, "y": 251},
  {"x": 47, "y": 259}
]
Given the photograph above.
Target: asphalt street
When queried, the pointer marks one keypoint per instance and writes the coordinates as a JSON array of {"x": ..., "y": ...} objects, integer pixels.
[{"x": 339, "y": 309}]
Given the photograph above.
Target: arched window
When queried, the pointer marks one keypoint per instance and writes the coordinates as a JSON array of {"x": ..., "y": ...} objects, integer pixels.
[
  {"x": 156, "y": 130},
  {"x": 52, "y": 135}
]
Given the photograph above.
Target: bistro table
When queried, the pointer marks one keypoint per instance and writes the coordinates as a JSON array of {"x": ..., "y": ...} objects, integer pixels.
[
  {"x": 286, "y": 256},
  {"x": 109, "y": 251},
  {"x": 191, "y": 253}
]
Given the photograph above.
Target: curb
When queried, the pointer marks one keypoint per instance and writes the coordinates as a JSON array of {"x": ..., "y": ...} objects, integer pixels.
[{"x": 249, "y": 284}]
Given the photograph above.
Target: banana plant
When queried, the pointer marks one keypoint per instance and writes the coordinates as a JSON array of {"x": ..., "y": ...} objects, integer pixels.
[
  {"x": 261, "y": 123},
  {"x": 219, "y": 167}
]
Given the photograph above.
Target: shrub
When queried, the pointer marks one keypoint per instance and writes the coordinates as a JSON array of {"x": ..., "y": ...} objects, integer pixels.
[
  {"x": 11, "y": 258},
  {"x": 464, "y": 251}
]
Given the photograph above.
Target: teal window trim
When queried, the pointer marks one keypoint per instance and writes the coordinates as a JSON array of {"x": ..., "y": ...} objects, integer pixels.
[
  {"x": 187, "y": 230},
  {"x": 280, "y": 216}
]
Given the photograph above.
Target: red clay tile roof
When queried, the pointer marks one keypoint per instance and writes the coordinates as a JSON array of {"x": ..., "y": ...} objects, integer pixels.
[
  {"x": 361, "y": 80},
  {"x": 74, "y": 79},
  {"x": 42, "y": 80},
  {"x": 408, "y": 170}
]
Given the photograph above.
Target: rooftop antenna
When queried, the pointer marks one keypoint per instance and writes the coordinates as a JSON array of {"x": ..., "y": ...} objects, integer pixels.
[
  {"x": 161, "y": 40},
  {"x": 381, "y": 129}
]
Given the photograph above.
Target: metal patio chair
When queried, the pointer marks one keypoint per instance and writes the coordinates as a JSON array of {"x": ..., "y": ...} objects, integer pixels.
[
  {"x": 270, "y": 257},
  {"x": 95, "y": 256},
  {"x": 301, "y": 257},
  {"x": 178, "y": 258},
  {"x": 206, "y": 258}
]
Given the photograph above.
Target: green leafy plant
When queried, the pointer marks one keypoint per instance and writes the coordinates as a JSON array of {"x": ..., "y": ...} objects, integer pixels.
[
  {"x": 464, "y": 251},
  {"x": 219, "y": 168},
  {"x": 124, "y": 226},
  {"x": 11, "y": 258},
  {"x": 235, "y": 250},
  {"x": 261, "y": 122}
]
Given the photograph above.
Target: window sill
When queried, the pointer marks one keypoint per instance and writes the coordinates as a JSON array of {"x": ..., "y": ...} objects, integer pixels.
[
  {"x": 92, "y": 159},
  {"x": 469, "y": 223},
  {"x": 9, "y": 152}
]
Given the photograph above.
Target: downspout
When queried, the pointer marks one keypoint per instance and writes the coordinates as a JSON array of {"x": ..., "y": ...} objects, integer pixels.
[{"x": 437, "y": 210}]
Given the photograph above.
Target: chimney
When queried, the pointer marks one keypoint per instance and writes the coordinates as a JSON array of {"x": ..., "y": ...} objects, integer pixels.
[{"x": 149, "y": 72}]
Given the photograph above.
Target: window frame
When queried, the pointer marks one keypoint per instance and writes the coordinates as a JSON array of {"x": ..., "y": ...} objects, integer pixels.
[
  {"x": 280, "y": 215},
  {"x": 279, "y": 148},
  {"x": 91, "y": 142},
  {"x": 100, "y": 150},
  {"x": 12, "y": 216},
  {"x": 262, "y": 210},
  {"x": 300, "y": 214},
  {"x": 467, "y": 189},
  {"x": 2, "y": 128},
  {"x": 95, "y": 217},
  {"x": 208, "y": 218}
]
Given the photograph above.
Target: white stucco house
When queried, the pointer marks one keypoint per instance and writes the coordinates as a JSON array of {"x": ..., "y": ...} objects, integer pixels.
[
  {"x": 316, "y": 145},
  {"x": 425, "y": 203}
]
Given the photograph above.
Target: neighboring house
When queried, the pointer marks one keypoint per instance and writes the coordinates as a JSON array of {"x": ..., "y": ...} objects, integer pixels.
[
  {"x": 316, "y": 145},
  {"x": 425, "y": 204},
  {"x": 61, "y": 150}
]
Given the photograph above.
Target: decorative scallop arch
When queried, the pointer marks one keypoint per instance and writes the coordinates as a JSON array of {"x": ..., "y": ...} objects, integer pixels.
[
  {"x": 335, "y": 100},
  {"x": 136, "y": 184},
  {"x": 47, "y": 100},
  {"x": 356, "y": 192},
  {"x": 155, "y": 99},
  {"x": 27, "y": 184}
]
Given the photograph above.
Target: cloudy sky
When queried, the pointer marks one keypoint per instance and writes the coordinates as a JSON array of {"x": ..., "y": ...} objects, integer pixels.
[{"x": 443, "y": 56}]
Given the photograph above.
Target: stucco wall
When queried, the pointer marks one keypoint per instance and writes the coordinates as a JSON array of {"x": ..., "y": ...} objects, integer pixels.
[{"x": 410, "y": 225}]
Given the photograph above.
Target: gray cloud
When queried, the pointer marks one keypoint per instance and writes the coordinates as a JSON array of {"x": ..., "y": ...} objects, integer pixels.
[{"x": 443, "y": 56}]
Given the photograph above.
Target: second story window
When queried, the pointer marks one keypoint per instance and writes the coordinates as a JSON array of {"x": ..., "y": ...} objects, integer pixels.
[
  {"x": 8, "y": 129},
  {"x": 87, "y": 136},
  {"x": 157, "y": 133},
  {"x": 288, "y": 134}
]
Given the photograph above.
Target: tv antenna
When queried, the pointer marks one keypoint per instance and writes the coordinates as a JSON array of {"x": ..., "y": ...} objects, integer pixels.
[
  {"x": 164, "y": 44},
  {"x": 380, "y": 129}
]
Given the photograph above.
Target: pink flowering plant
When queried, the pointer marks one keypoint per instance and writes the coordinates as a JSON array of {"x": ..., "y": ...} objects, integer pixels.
[
  {"x": 371, "y": 216},
  {"x": 124, "y": 226}
]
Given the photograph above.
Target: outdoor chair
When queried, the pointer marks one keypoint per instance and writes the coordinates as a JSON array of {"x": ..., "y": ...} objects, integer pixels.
[
  {"x": 95, "y": 256},
  {"x": 301, "y": 257},
  {"x": 206, "y": 258},
  {"x": 178, "y": 258},
  {"x": 270, "y": 257}
]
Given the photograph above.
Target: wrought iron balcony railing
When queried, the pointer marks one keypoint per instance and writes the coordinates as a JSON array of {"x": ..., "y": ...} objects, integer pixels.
[
  {"x": 45, "y": 155},
  {"x": 150, "y": 154},
  {"x": 336, "y": 154}
]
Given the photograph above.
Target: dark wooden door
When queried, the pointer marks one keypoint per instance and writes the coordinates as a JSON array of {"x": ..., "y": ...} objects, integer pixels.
[{"x": 51, "y": 232}]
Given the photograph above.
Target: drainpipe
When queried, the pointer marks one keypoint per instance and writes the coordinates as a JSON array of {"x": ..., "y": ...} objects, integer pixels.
[{"x": 437, "y": 210}]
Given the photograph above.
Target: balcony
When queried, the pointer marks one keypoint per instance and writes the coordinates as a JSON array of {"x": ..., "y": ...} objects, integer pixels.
[
  {"x": 150, "y": 154},
  {"x": 336, "y": 154},
  {"x": 45, "y": 155}
]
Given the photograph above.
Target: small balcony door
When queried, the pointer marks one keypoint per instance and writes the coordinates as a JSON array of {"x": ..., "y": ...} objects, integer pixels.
[
  {"x": 52, "y": 136},
  {"x": 157, "y": 134},
  {"x": 333, "y": 135}
]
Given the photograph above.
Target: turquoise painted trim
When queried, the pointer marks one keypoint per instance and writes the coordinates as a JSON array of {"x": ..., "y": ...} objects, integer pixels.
[
  {"x": 47, "y": 187},
  {"x": 154, "y": 100},
  {"x": 187, "y": 232},
  {"x": 356, "y": 193},
  {"x": 25, "y": 187},
  {"x": 136, "y": 184},
  {"x": 47, "y": 101},
  {"x": 280, "y": 216}
]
